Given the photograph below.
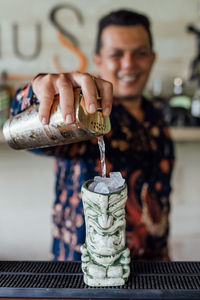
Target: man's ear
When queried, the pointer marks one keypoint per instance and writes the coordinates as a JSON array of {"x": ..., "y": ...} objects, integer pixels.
[{"x": 97, "y": 59}]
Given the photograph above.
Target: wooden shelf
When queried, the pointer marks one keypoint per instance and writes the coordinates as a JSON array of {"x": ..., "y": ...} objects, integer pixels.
[{"x": 186, "y": 134}]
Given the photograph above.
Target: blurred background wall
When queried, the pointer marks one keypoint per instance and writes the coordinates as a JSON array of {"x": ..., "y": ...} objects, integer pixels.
[
  {"x": 175, "y": 47},
  {"x": 29, "y": 44}
]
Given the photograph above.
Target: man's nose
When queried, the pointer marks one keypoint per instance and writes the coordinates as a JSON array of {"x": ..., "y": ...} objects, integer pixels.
[{"x": 128, "y": 61}]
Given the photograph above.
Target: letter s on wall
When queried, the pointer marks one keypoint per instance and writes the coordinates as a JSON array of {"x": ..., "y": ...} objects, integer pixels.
[{"x": 67, "y": 39}]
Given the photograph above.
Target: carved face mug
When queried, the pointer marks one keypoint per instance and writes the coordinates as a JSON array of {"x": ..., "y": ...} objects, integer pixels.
[{"x": 105, "y": 258}]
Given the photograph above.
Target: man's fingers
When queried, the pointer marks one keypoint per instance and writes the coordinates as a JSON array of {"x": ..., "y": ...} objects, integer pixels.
[
  {"x": 43, "y": 87},
  {"x": 66, "y": 94},
  {"x": 89, "y": 86},
  {"x": 47, "y": 86},
  {"x": 106, "y": 92},
  {"x": 45, "y": 108}
]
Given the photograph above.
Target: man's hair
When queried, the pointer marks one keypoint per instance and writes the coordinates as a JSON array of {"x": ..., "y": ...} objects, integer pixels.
[{"x": 122, "y": 18}]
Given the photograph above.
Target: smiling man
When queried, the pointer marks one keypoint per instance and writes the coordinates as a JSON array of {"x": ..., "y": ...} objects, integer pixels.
[
  {"x": 125, "y": 58},
  {"x": 138, "y": 145},
  {"x": 124, "y": 55}
]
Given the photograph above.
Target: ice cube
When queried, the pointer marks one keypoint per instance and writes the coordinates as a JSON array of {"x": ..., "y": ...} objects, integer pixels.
[
  {"x": 98, "y": 178},
  {"x": 101, "y": 187},
  {"x": 92, "y": 186},
  {"x": 117, "y": 179},
  {"x": 107, "y": 184},
  {"x": 101, "y": 179}
]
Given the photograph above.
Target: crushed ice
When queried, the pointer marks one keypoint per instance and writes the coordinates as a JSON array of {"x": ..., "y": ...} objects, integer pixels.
[{"x": 106, "y": 185}]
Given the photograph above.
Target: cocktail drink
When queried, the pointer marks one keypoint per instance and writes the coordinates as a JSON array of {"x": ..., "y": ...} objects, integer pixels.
[{"x": 105, "y": 258}]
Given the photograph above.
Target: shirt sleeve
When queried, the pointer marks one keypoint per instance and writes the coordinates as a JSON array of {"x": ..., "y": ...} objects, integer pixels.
[{"x": 23, "y": 99}]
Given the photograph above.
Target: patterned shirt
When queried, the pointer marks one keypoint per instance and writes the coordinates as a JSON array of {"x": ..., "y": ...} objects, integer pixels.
[{"x": 142, "y": 151}]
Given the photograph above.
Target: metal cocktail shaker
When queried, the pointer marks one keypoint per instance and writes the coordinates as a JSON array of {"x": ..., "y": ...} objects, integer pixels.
[{"x": 25, "y": 131}]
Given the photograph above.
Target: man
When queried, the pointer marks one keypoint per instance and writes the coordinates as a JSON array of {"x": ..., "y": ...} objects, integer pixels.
[{"x": 138, "y": 145}]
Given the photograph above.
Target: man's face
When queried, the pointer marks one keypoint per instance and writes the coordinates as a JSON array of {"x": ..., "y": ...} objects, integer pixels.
[{"x": 125, "y": 59}]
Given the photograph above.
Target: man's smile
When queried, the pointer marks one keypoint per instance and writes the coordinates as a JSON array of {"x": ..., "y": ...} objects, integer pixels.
[{"x": 127, "y": 78}]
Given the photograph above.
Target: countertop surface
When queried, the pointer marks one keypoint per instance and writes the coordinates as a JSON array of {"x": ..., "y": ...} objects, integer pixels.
[{"x": 147, "y": 280}]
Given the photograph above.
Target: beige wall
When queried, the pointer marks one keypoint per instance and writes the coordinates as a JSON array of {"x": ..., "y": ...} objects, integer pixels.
[
  {"x": 185, "y": 204},
  {"x": 175, "y": 47},
  {"x": 26, "y": 198}
]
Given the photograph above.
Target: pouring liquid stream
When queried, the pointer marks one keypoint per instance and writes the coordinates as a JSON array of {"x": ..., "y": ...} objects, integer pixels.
[{"x": 101, "y": 144}]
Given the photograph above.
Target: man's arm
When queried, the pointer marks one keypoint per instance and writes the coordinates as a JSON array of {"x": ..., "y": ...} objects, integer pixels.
[{"x": 43, "y": 89}]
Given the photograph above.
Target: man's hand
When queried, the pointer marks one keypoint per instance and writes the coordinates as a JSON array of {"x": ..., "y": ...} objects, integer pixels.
[{"x": 47, "y": 86}]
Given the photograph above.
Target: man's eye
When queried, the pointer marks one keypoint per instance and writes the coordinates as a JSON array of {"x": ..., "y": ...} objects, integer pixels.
[
  {"x": 141, "y": 53},
  {"x": 116, "y": 54}
]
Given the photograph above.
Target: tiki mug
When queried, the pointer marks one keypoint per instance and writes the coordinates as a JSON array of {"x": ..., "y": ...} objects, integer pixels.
[{"x": 105, "y": 258}]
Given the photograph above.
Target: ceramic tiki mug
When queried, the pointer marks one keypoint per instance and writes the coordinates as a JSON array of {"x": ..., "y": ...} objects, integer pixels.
[{"x": 105, "y": 258}]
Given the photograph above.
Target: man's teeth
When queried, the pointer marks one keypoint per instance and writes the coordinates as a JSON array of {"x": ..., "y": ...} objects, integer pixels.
[{"x": 127, "y": 78}]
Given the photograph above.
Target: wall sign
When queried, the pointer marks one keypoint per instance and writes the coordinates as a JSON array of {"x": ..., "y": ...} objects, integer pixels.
[{"x": 64, "y": 36}]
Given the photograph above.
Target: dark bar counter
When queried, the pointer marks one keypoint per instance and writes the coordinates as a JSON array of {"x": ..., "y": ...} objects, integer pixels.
[{"x": 64, "y": 280}]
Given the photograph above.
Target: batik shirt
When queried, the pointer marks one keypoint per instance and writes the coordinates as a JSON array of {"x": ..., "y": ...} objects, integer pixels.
[{"x": 142, "y": 152}]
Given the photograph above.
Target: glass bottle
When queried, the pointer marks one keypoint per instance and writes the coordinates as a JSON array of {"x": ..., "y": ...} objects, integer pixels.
[
  {"x": 159, "y": 100},
  {"x": 180, "y": 105},
  {"x": 195, "y": 107}
]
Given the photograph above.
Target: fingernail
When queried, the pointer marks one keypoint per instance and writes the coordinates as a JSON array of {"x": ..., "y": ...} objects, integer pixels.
[
  {"x": 92, "y": 108},
  {"x": 69, "y": 119},
  {"x": 106, "y": 112},
  {"x": 44, "y": 121}
]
